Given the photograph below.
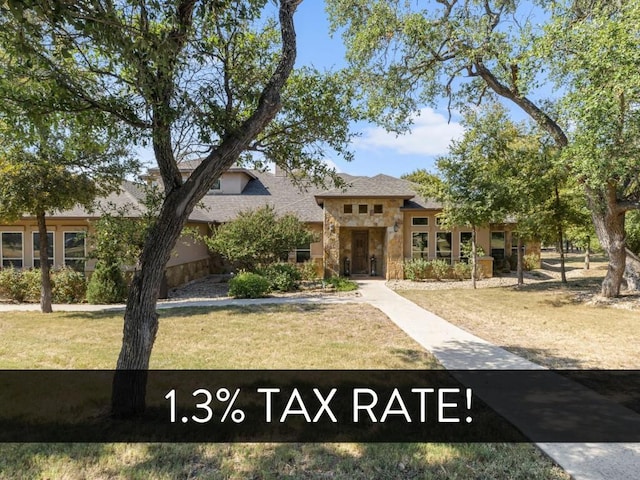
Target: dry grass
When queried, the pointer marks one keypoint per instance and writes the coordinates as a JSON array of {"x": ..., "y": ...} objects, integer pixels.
[
  {"x": 257, "y": 337},
  {"x": 559, "y": 326},
  {"x": 345, "y": 336}
]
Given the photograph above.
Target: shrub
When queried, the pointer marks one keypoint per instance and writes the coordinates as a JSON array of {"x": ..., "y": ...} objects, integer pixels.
[
  {"x": 248, "y": 285},
  {"x": 68, "y": 286},
  {"x": 417, "y": 269},
  {"x": 440, "y": 269},
  {"x": 462, "y": 270},
  {"x": 308, "y": 271},
  {"x": 531, "y": 262},
  {"x": 107, "y": 284},
  {"x": 282, "y": 277},
  {"x": 14, "y": 285},
  {"x": 342, "y": 284}
]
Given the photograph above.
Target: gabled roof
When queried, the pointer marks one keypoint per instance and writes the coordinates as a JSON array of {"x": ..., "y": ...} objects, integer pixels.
[{"x": 378, "y": 186}]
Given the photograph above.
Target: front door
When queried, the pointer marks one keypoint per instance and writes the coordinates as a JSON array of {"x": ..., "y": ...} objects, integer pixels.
[{"x": 360, "y": 248}]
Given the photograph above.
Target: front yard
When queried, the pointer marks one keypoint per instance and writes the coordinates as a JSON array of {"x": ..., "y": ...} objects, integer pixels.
[{"x": 273, "y": 337}]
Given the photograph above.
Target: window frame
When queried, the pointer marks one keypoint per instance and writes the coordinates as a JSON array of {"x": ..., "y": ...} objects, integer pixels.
[
  {"x": 347, "y": 208},
  {"x": 363, "y": 208},
  {"x": 414, "y": 224},
  {"x": 378, "y": 209},
  {"x": 2, "y": 257},
  {"x": 35, "y": 246},
  {"x": 64, "y": 250},
  {"x": 439, "y": 256},
  {"x": 461, "y": 257},
  {"x": 422, "y": 253},
  {"x": 504, "y": 245}
]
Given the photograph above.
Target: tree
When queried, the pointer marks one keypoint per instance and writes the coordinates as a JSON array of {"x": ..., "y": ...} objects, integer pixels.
[
  {"x": 52, "y": 163},
  {"x": 464, "y": 51},
  {"x": 258, "y": 238},
  {"x": 188, "y": 77}
]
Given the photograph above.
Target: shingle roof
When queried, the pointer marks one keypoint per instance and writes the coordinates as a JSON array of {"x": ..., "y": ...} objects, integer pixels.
[{"x": 265, "y": 188}]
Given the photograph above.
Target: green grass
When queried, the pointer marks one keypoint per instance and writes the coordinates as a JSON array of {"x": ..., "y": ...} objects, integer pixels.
[{"x": 294, "y": 336}]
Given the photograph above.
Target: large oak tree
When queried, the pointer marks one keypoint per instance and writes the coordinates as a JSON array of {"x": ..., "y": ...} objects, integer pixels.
[
  {"x": 189, "y": 77},
  {"x": 408, "y": 53}
]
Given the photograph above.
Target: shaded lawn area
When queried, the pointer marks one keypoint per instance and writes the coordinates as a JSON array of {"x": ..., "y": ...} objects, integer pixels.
[
  {"x": 270, "y": 337},
  {"x": 546, "y": 323}
]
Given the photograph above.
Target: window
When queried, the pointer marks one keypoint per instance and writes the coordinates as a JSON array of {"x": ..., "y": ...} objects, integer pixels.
[
  {"x": 439, "y": 221},
  {"x": 514, "y": 245},
  {"x": 303, "y": 253},
  {"x": 11, "y": 249},
  {"x": 443, "y": 246},
  {"x": 377, "y": 208},
  {"x": 420, "y": 221},
  {"x": 36, "y": 249},
  {"x": 348, "y": 208},
  {"x": 419, "y": 245},
  {"x": 216, "y": 187},
  {"x": 465, "y": 246},
  {"x": 74, "y": 250},
  {"x": 497, "y": 245},
  {"x": 363, "y": 208}
]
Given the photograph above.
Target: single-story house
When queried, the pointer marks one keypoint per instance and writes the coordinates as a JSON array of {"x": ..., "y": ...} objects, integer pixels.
[{"x": 367, "y": 228}]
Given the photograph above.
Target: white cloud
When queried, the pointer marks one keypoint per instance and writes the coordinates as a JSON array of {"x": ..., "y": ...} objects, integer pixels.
[
  {"x": 430, "y": 134},
  {"x": 331, "y": 164}
]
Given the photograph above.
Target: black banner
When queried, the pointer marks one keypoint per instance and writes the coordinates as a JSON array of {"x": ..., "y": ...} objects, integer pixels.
[{"x": 326, "y": 406}]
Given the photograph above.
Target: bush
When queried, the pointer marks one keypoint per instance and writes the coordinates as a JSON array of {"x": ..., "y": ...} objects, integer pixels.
[
  {"x": 19, "y": 285},
  {"x": 341, "y": 284},
  {"x": 248, "y": 285},
  {"x": 308, "y": 271},
  {"x": 107, "y": 284},
  {"x": 440, "y": 269},
  {"x": 68, "y": 286},
  {"x": 417, "y": 269},
  {"x": 531, "y": 262},
  {"x": 282, "y": 277},
  {"x": 462, "y": 270}
]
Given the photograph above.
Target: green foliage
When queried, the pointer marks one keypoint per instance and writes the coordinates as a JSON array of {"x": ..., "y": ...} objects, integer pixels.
[
  {"x": 462, "y": 270},
  {"x": 417, "y": 269},
  {"x": 440, "y": 268},
  {"x": 19, "y": 285},
  {"x": 531, "y": 261},
  {"x": 283, "y": 277},
  {"x": 632, "y": 226},
  {"x": 248, "y": 285},
  {"x": 341, "y": 284},
  {"x": 68, "y": 286},
  {"x": 257, "y": 238},
  {"x": 107, "y": 284},
  {"x": 308, "y": 271}
]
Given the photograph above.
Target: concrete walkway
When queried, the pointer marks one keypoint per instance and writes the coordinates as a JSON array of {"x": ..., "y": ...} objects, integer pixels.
[{"x": 456, "y": 349}]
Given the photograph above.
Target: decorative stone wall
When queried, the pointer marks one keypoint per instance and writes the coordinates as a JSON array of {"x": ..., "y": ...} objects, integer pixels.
[{"x": 180, "y": 274}]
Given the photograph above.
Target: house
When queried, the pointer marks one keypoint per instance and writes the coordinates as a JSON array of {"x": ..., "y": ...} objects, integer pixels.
[{"x": 367, "y": 228}]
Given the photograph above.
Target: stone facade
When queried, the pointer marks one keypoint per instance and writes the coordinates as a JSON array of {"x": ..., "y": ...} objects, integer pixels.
[
  {"x": 375, "y": 221},
  {"x": 186, "y": 272}
]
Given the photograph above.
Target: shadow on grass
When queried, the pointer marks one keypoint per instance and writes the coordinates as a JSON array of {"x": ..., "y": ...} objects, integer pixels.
[
  {"x": 579, "y": 284},
  {"x": 271, "y": 461}
]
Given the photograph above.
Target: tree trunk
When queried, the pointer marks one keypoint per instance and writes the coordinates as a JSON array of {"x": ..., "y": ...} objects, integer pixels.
[
  {"x": 632, "y": 271},
  {"x": 608, "y": 221},
  {"x": 474, "y": 257},
  {"x": 45, "y": 277},
  {"x": 141, "y": 318},
  {"x": 520, "y": 267},
  {"x": 587, "y": 254},
  {"x": 558, "y": 216}
]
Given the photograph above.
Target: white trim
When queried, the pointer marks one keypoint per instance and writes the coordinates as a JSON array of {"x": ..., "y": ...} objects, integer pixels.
[
  {"x": 64, "y": 246},
  {"x": 2, "y": 259}
]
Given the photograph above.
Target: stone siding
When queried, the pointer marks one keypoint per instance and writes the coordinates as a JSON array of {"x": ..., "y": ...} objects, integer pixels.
[{"x": 177, "y": 275}]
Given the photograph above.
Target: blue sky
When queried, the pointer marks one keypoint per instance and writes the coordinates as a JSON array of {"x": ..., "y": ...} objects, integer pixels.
[{"x": 376, "y": 151}]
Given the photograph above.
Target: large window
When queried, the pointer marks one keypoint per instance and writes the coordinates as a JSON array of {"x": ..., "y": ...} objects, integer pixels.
[
  {"x": 497, "y": 245},
  {"x": 443, "y": 246},
  {"x": 74, "y": 250},
  {"x": 36, "y": 249},
  {"x": 465, "y": 246},
  {"x": 419, "y": 245},
  {"x": 514, "y": 246},
  {"x": 420, "y": 221},
  {"x": 11, "y": 249}
]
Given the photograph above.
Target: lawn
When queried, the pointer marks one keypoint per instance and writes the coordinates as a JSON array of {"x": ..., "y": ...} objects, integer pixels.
[
  {"x": 555, "y": 325},
  {"x": 302, "y": 336}
]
